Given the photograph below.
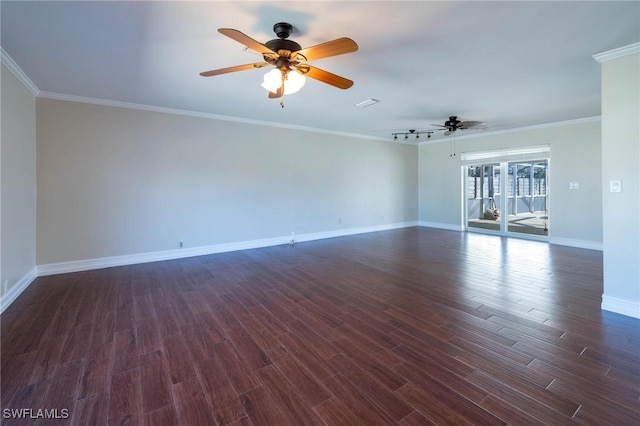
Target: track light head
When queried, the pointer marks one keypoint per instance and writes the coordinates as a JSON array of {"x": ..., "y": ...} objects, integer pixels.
[{"x": 410, "y": 132}]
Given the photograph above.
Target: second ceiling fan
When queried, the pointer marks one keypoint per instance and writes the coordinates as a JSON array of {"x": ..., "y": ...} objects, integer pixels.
[
  {"x": 289, "y": 59},
  {"x": 453, "y": 124}
]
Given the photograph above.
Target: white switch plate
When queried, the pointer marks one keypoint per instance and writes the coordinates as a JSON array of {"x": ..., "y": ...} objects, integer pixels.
[
  {"x": 615, "y": 186},
  {"x": 574, "y": 185}
]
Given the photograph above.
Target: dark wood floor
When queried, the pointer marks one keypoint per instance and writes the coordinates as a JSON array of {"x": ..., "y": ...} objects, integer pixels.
[{"x": 414, "y": 326}]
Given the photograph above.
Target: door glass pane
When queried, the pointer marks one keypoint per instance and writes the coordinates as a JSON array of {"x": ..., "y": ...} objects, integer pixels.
[
  {"x": 483, "y": 196},
  {"x": 527, "y": 205}
]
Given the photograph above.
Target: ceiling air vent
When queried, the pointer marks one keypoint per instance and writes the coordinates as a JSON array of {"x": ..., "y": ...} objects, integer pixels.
[{"x": 367, "y": 103}]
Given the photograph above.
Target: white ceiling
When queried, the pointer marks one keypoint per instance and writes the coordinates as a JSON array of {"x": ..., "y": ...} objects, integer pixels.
[{"x": 508, "y": 64}]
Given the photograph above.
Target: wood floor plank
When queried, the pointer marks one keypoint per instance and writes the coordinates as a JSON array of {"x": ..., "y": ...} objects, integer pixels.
[
  {"x": 220, "y": 392},
  {"x": 454, "y": 379},
  {"x": 96, "y": 373},
  {"x": 147, "y": 336},
  {"x": 385, "y": 356},
  {"x": 430, "y": 406},
  {"x": 154, "y": 382},
  {"x": 509, "y": 413},
  {"x": 179, "y": 361},
  {"x": 126, "y": 350},
  {"x": 292, "y": 406},
  {"x": 258, "y": 332},
  {"x": 310, "y": 389},
  {"x": 125, "y": 404},
  {"x": 528, "y": 398},
  {"x": 91, "y": 411},
  {"x": 449, "y": 397},
  {"x": 166, "y": 416},
  {"x": 195, "y": 411},
  {"x": 371, "y": 364},
  {"x": 270, "y": 322},
  {"x": 305, "y": 356},
  {"x": 409, "y": 326},
  {"x": 248, "y": 349},
  {"x": 33, "y": 395},
  {"x": 361, "y": 406},
  {"x": 334, "y": 412},
  {"x": 238, "y": 371},
  {"x": 63, "y": 390},
  {"x": 370, "y": 387},
  {"x": 262, "y": 408},
  {"x": 46, "y": 360},
  {"x": 619, "y": 411}
]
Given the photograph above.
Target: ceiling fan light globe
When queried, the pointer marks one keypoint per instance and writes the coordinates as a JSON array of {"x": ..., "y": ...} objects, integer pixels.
[
  {"x": 292, "y": 83},
  {"x": 272, "y": 80}
]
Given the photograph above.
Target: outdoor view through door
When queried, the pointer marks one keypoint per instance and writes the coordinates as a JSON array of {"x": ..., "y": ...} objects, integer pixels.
[{"x": 517, "y": 203}]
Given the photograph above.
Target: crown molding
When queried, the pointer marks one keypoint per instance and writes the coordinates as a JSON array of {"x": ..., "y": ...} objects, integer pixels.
[
  {"x": 17, "y": 71},
  {"x": 617, "y": 53},
  {"x": 211, "y": 116},
  {"x": 519, "y": 129}
]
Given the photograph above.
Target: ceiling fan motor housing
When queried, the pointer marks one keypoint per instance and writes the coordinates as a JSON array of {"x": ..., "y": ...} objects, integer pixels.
[
  {"x": 282, "y": 29},
  {"x": 452, "y": 123},
  {"x": 282, "y": 44}
]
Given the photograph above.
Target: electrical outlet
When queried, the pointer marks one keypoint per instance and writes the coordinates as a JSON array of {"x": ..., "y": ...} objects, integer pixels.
[{"x": 574, "y": 185}]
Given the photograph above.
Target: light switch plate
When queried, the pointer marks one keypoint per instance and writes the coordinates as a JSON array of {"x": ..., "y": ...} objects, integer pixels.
[{"x": 615, "y": 186}]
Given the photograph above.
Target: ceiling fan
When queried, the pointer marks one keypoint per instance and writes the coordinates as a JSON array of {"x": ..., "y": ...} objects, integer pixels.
[
  {"x": 453, "y": 124},
  {"x": 289, "y": 59}
]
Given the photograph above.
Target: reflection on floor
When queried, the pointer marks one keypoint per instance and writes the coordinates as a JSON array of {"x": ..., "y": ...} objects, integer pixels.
[{"x": 535, "y": 223}]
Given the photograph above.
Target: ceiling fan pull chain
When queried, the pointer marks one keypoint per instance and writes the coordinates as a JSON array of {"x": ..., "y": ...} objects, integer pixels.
[{"x": 454, "y": 145}]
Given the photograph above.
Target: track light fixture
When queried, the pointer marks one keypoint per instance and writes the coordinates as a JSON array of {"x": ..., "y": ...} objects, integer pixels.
[{"x": 412, "y": 132}]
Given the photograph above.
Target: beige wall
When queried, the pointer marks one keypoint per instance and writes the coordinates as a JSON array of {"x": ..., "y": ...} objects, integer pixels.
[
  {"x": 18, "y": 183},
  {"x": 575, "y": 216},
  {"x": 114, "y": 181},
  {"x": 621, "y": 161}
]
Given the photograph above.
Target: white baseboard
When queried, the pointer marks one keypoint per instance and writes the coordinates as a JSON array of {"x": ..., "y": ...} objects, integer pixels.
[
  {"x": 353, "y": 231},
  {"x": 17, "y": 289},
  {"x": 132, "y": 259},
  {"x": 590, "y": 245},
  {"x": 629, "y": 308},
  {"x": 107, "y": 262},
  {"x": 438, "y": 225}
]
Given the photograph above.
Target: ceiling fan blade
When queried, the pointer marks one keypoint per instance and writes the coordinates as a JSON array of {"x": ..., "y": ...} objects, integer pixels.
[
  {"x": 278, "y": 94},
  {"x": 469, "y": 124},
  {"x": 324, "y": 50},
  {"x": 233, "y": 69},
  {"x": 252, "y": 44},
  {"x": 324, "y": 76},
  {"x": 438, "y": 125}
]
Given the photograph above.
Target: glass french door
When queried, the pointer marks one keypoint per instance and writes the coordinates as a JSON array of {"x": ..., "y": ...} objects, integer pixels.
[
  {"x": 508, "y": 197},
  {"x": 527, "y": 201}
]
